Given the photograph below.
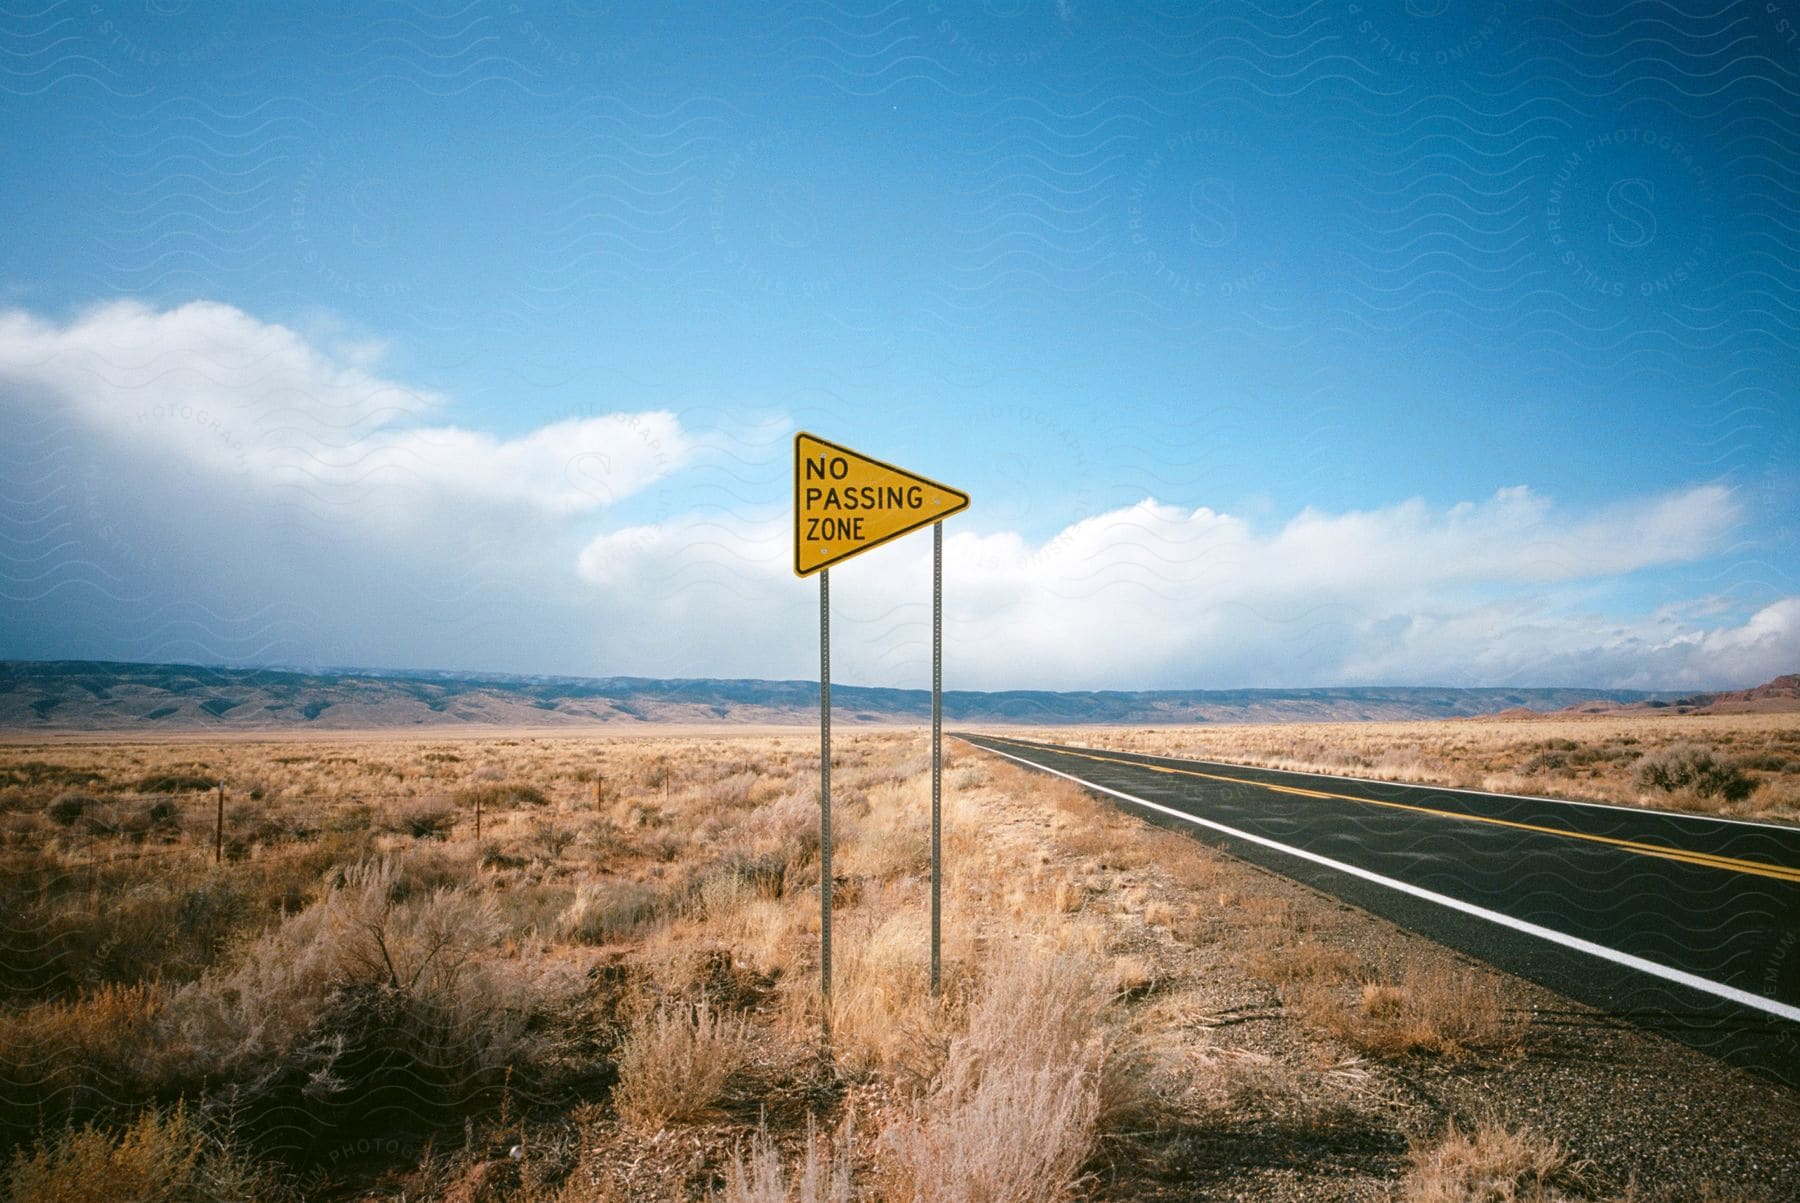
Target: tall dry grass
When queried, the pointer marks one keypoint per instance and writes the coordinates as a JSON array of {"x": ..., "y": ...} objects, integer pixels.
[
  {"x": 821, "y": 1173},
  {"x": 1428, "y": 1011},
  {"x": 162, "y": 1156},
  {"x": 1745, "y": 765},
  {"x": 676, "y": 1064},
  {"x": 1489, "y": 1164},
  {"x": 359, "y": 956},
  {"x": 1015, "y": 1112},
  {"x": 613, "y": 991}
]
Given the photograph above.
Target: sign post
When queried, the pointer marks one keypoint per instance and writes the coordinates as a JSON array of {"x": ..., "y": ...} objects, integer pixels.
[
  {"x": 937, "y": 747},
  {"x": 845, "y": 503},
  {"x": 825, "y": 795}
]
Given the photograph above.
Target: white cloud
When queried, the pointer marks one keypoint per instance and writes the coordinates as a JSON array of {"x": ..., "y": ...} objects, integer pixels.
[
  {"x": 1153, "y": 595},
  {"x": 575, "y": 466},
  {"x": 212, "y": 388},
  {"x": 196, "y": 483}
]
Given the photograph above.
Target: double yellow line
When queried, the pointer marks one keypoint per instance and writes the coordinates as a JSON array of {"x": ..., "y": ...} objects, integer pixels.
[{"x": 1705, "y": 859}]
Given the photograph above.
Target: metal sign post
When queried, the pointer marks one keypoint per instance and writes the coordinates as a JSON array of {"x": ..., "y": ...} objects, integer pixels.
[
  {"x": 937, "y": 747},
  {"x": 845, "y": 503},
  {"x": 825, "y": 797}
]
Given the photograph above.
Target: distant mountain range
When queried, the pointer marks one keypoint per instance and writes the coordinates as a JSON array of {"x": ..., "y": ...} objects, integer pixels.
[{"x": 109, "y": 696}]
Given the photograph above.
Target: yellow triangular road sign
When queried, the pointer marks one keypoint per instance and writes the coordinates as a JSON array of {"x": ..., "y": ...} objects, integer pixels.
[{"x": 846, "y": 502}]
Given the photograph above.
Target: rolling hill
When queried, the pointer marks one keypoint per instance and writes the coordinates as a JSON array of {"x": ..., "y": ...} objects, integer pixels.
[
  {"x": 1778, "y": 696},
  {"x": 112, "y": 696}
]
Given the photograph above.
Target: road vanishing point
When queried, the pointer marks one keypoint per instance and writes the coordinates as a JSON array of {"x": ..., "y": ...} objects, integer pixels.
[{"x": 1682, "y": 924}]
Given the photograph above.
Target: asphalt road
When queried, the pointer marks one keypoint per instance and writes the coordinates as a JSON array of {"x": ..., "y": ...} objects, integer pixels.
[{"x": 1685, "y": 925}]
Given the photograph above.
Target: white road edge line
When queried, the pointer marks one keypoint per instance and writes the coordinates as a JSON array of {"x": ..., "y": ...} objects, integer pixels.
[
  {"x": 1730, "y": 993},
  {"x": 1450, "y": 789}
]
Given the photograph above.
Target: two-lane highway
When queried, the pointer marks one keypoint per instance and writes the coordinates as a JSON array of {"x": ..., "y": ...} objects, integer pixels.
[{"x": 1686, "y": 924}]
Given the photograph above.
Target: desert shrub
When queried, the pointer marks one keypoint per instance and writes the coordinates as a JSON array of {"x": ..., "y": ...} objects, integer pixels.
[
  {"x": 887, "y": 852},
  {"x": 19, "y": 830},
  {"x": 551, "y": 838},
  {"x": 762, "y": 874},
  {"x": 1697, "y": 771},
  {"x": 37, "y": 773},
  {"x": 1017, "y": 1107},
  {"x": 1429, "y": 1012},
  {"x": 788, "y": 825},
  {"x": 372, "y": 999},
  {"x": 175, "y": 783},
  {"x": 675, "y": 1064},
  {"x": 717, "y": 896},
  {"x": 168, "y": 925},
  {"x": 602, "y": 835},
  {"x": 113, "y": 819},
  {"x": 422, "y": 820},
  {"x": 821, "y": 1176},
  {"x": 501, "y": 796},
  {"x": 349, "y": 819},
  {"x": 205, "y": 917},
  {"x": 880, "y": 990},
  {"x": 423, "y": 870},
  {"x": 605, "y": 911},
  {"x": 161, "y": 1157},
  {"x": 66, "y": 809},
  {"x": 69, "y": 1060},
  {"x": 733, "y": 791},
  {"x": 1488, "y": 1165},
  {"x": 494, "y": 855}
]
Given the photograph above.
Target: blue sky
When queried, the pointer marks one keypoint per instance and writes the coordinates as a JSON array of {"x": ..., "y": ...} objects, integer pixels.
[{"x": 1295, "y": 345}]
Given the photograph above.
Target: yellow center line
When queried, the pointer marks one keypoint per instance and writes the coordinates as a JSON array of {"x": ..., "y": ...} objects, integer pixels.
[{"x": 1705, "y": 859}]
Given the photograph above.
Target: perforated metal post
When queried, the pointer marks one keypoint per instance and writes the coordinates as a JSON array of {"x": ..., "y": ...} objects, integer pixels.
[
  {"x": 937, "y": 748},
  {"x": 825, "y": 796}
]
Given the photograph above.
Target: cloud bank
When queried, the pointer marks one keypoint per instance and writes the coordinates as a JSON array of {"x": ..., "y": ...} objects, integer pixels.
[
  {"x": 196, "y": 483},
  {"x": 1151, "y": 595},
  {"x": 211, "y": 387}
]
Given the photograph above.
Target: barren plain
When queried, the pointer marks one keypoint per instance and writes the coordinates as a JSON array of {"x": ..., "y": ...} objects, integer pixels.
[{"x": 536, "y": 968}]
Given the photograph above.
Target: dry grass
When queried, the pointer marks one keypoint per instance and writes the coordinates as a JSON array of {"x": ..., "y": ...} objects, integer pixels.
[
  {"x": 676, "y": 1064},
  {"x": 1741, "y": 765},
  {"x": 821, "y": 1175},
  {"x": 602, "y": 912},
  {"x": 1430, "y": 1011},
  {"x": 360, "y": 957},
  {"x": 160, "y": 1157},
  {"x": 1306, "y": 963},
  {"x": 621, "y": 983},
  {"x": 881, "y": 1008},
  {"x": 1015, "y": 1114},
  {"x": 1488, "y": 1165}
]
